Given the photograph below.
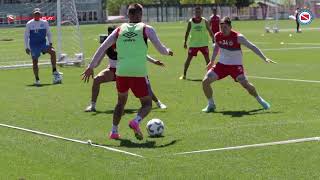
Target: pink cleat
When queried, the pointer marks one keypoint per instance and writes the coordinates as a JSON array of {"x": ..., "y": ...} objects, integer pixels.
[
  {"x": 113, "y": 135},
  {"x": 136, "y": 129}
]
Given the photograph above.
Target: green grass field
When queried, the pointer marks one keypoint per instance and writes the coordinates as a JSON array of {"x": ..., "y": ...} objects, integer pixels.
[{"x": 58, "y": 109}]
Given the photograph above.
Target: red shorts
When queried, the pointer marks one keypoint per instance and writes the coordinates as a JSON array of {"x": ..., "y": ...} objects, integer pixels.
[
  {"x": 138, "y": 85},
  {"x": 193, "y": 51},
  {"x": 222, "y": 71}
]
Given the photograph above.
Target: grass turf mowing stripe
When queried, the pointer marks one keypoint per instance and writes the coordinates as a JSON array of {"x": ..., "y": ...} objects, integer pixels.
[
  {"x": 69, "y": 139},
  {"x": 253, "y": 145},
  {"x": 283, "y": 79}
]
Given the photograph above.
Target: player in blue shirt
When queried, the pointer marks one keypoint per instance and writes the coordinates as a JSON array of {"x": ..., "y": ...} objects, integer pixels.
[{"x": 35, "y": 39}]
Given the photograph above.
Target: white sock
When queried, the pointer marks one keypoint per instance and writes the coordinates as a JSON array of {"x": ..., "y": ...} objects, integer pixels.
[
  {"x": 211, "y": 101},
  {"x": 138, "y": 119},
  {"x": 114, "y": 129},
  {"x": 93, "y": 104},
  {"x": 259, "y": 99}
]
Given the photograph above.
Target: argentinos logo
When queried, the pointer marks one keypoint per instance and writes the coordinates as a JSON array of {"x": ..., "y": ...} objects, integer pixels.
[
  {"x": 130, "y": 35},
  {"x": 305, "y": 16}
]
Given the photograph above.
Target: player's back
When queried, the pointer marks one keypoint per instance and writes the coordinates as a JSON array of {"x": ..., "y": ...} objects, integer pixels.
[{"x": 38, "y": 31}]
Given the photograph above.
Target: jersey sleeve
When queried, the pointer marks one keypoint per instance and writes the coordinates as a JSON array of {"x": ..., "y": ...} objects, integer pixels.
[{"x": 26, "y": 36}]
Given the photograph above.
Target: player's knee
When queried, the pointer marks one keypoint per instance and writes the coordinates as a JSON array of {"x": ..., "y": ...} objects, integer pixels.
[{"x": 206, "y": 81}]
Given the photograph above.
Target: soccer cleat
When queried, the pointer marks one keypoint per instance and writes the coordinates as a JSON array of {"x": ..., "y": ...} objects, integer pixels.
[
  {"x": 136, "y": 129},
  {"x": 265, "y": 105},
  {"x": 113, "y": 135},
  {"x": 90, "y": 108},
  {"x": 57, "y": 77},
  {"x": 182, "y": 77},
  {"x": 37, "y": 83},
  {"x": 209, "y": 108},
  {"x": 161, "y": 105}
]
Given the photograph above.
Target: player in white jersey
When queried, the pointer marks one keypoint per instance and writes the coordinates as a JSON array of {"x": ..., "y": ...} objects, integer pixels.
[
  {"x": 36, "y": 34},
  {"x": 230, "y": 63}
]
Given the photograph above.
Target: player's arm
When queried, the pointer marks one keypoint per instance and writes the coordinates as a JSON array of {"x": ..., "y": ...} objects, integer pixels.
[
  {"x": 215, "y": 53},
  {"x": 26, "y": 39},
  {"x": 98, "y": 56},
  {"x": 209, "y": 30},
  {"x": 242, "y": 40},
  {"x": 186, "y": 36},
  {"x": 151, "y": 34},
  {"x": 155, "y": 61},
  {"x": 49, "y": 35}
]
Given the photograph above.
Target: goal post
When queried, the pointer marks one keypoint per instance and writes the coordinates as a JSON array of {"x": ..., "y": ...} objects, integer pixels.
[{"x": 63, "y": 19}]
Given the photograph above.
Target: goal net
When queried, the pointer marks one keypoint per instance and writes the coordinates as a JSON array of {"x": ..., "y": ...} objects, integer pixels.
[{"x": 64, "y": 25}]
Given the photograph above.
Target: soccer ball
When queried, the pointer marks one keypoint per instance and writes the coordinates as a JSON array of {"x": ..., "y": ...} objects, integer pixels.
[{"x": 155, "y": 127}]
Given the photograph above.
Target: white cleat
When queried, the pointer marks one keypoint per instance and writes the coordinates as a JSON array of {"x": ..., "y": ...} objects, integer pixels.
[
  {"x": 37, "y": 83},
  {"x": 57, "y": 77},
  {"x": 90, "y": 108},
  {"x": 161, "y": 106}
]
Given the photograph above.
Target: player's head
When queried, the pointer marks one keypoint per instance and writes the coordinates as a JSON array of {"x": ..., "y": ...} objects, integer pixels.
[
  {"x": 135, "y": 13},
  {"x": 198, "y": 11},
  {"x": 111, "y": 29},
  {"x": 214, "y": 11},
  {"x": 225, "y": 25},
  {"x": 36, "y": 14}
]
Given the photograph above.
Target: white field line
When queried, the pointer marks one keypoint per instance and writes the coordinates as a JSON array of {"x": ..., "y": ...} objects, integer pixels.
[
  {"x": 285, "y": 49},
  {"x": 315, "y": 44},
  {"x": 253, "y": 145},
  {"x": 283, "y": 79},
  {"x": 69, "y": 139}
]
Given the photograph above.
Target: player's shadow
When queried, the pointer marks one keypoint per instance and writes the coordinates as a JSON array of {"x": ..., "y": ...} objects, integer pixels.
[
  {"x": 194, "y": 80},
  {"x": 42, "y": 85},
  {"x": 245, "y": 113},
  {"x": 148, "y": 144},
  {"x": 126, "y": 111}
]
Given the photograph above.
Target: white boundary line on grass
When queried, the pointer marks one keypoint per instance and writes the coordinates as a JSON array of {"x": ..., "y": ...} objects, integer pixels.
[
  {"x": 286, "y": 49},
  {"x": 253, "y": 145},
  {"x": 283, "y": 79},
  {"x": 69, "y": 139}
]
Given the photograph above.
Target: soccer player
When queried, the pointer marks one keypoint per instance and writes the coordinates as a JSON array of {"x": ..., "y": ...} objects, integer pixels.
[
  {"x": 131, "y": 41},
  {"x": 214, "y": 21},
  {"x": 296, "y": 14},
  {"x": 108, "y": 75},
  {"x": 35, "y": 43},
  {"x": 230, "y": 63},
  {"x": 197, "y": 33}
]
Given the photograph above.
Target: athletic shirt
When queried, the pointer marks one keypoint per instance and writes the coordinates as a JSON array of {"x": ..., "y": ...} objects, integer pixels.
[
  {"x": 113, "y": 56},
  {"x": 36, "y": 32},
  {"x": 215, "y": 23},
  {"x": 230, "y": 49},
  {"x": 132, "y": 50},
  {"x": 198, "y": 34}
]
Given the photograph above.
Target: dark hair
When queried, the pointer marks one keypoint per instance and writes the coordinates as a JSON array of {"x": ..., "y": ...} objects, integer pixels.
[
  {"x": 198, "y": 7},
  {"x": 135, "y": 8},
  {"x": 111, "y": 29},
  {"x": 226, "y": 20}
]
